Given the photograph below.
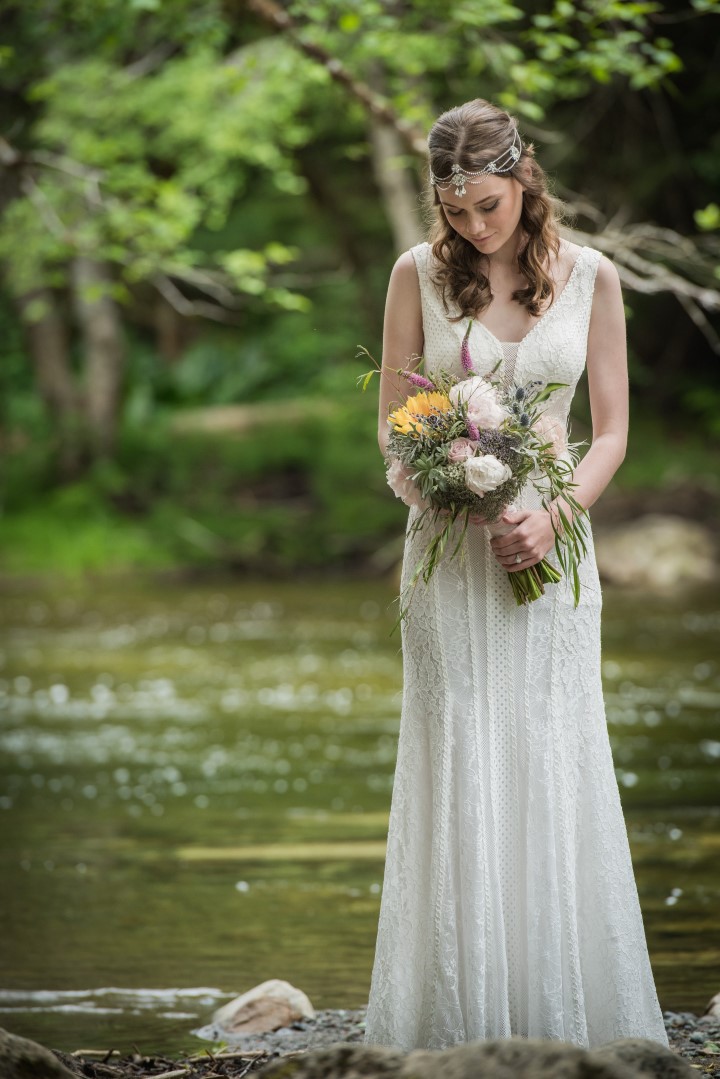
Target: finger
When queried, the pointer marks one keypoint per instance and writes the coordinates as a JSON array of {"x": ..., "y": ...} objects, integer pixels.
[
  {"x": 511, "y": 563},
  {"x": 508, "y": 544}
]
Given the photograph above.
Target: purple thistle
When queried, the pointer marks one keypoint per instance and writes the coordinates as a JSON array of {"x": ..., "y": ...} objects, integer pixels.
[
  {"x": 473, "y": 431},
  {"x": 465, "y": 358},
  {"x": 419, "y": 380}
]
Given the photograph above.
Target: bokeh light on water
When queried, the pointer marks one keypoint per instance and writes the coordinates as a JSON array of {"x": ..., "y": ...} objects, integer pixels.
[{"x": 195, "y": 782}]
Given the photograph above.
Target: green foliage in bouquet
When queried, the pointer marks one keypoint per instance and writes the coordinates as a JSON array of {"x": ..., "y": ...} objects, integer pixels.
[{"x": 464, "y": 446}]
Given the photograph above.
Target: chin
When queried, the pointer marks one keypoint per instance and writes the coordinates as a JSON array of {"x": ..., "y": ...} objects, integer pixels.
[{"x": 491, "y": 244}]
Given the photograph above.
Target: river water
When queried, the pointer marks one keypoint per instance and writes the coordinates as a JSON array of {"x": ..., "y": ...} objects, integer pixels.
[{"x": 195, "y": 781}]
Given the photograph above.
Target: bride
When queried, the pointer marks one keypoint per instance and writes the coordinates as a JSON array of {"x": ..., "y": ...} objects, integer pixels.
[{"x": 509, "y": 904}]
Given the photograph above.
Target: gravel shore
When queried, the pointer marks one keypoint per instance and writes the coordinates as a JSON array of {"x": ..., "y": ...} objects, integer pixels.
[{"x": 696, "y": 1039}]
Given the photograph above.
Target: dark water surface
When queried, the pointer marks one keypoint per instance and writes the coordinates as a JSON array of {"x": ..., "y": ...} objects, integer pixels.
[{"x": 195, "y": 782}]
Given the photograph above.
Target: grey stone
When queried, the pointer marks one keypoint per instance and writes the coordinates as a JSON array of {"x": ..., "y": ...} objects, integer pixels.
[
  {"x": 657, "y": 552},
  {"x": 342, "y": 1060},
  {"x": 512, "y": 1058},
  {"x": 502, "y": 1058},
  {"x": 644, "y": 1057},
  {"x": 21, "y": 1058}
]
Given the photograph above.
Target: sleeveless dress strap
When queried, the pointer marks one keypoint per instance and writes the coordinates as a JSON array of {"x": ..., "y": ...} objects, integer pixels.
[{"x": 586, "y": 284}]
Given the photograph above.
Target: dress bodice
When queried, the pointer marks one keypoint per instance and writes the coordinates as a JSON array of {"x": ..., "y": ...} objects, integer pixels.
[{"x": 554, "y": 350}]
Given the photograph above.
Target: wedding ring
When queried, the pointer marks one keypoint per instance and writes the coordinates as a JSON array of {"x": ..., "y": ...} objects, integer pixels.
[{"x": 518, "y": 557}]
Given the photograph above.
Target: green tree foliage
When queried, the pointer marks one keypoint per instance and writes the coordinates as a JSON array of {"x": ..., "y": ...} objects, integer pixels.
[
  {"x": 220, "y": 156},
  {"x": 128, "y": 164}
]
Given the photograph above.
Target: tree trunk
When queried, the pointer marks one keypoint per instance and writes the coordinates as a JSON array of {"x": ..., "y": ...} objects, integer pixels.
[
  {"x": 104, "y": 350},
  {"x": 397, "y": 185},
  {"x": 396, "y": 180},
  {"x": 171, "y": 330},
  {"x": 47, "y": 343}
]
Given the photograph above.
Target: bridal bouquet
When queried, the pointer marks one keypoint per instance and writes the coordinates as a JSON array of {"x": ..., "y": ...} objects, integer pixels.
[{"x": 464, "y": 446}]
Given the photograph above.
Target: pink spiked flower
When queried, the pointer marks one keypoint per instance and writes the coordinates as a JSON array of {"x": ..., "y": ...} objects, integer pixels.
[
  {"x": 465, "y": 358},
  {"x": 472, "y": 430},
  {"x": 419, "y": 380}
]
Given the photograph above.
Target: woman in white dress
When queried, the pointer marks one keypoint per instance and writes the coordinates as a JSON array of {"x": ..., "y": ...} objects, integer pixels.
[{"x": 509, "y": 904}]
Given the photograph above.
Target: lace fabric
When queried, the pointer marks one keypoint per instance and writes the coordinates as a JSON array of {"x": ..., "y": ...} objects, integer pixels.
[{"x": 509, "y": 903}]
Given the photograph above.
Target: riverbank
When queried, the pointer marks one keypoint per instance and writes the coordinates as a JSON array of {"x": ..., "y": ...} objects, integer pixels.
[
  {"x": 203, "y": 491},
  {"x": 696, "y": 1039}
]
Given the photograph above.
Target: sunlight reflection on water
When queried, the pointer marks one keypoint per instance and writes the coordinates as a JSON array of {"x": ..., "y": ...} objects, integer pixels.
[{"x": 195, "y": 784}]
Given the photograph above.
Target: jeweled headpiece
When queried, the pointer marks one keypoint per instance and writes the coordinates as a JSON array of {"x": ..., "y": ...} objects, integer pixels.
[{"x": 459, "y": 177}]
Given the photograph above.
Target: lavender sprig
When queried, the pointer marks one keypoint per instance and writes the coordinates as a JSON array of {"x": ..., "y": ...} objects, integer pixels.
[
  {"x": 465, "y": 357},
  {"x": 418, "y": 380}
]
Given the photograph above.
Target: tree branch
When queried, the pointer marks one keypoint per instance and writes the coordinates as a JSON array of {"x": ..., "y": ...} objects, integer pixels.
[{"x": 379, "y": 107}]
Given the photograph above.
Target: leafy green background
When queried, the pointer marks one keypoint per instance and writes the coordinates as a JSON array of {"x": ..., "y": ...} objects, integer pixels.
[{"x": 218, "y": 174}]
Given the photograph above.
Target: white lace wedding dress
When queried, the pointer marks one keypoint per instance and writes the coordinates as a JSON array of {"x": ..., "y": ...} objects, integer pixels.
[{"x": 509, "y": 903}]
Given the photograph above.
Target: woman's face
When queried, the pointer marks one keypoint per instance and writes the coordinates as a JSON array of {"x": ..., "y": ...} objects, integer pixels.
[{"x": 488, "y": 214}]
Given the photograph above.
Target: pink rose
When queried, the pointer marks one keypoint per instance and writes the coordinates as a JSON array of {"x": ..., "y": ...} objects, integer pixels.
[
  {"x": 550, "y": 429},
  {"x": 398, "y": 477},
  {"x": 461, "y": 449},
  {"x": 483, "y": 405}
]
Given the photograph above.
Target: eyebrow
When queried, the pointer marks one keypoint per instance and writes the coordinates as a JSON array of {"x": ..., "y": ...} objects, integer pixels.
[{"x": 453, "y": 206}]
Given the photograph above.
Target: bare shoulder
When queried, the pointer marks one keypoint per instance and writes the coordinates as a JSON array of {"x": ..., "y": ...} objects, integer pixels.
[
  {"x": 607, "y": 294},
  {"x": 405, "y": 271},
  {"x": 404, "y": 285},
  {"x": 607, "y": 278}
]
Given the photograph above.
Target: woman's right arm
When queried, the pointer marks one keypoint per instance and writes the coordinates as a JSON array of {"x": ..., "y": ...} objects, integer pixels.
[{"x": 402, "y": 340}]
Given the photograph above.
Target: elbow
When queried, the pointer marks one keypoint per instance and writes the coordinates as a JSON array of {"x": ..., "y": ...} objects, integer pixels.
[{"x": 615, "y": 444}]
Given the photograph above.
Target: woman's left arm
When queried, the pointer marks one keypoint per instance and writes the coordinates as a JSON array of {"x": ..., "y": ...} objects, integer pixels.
[{"x": 609, "y": 404}]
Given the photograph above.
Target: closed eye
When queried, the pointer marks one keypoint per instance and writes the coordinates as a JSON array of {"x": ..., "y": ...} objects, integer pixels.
[{"x": 487, "y": 210}]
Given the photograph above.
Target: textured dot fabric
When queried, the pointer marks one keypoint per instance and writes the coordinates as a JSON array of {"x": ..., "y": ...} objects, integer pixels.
[{"x": 509, "y": 904}]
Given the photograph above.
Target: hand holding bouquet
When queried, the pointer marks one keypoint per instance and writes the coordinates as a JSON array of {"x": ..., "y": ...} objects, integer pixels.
[{"x": 462, "y": 447}]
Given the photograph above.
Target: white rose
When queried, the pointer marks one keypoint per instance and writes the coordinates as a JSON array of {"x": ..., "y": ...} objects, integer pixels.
[
  {"x": 483, "y": 406},
  {"x": 486, "y": 473}
]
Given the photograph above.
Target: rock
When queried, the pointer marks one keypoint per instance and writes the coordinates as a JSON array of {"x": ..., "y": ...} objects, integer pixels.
[
  {"x": 713, "y": 1008},
  {"x": 268, "y": 1006},
  {"x": 342, "y": 1060},
  {"x": 502, "y": 1058},
  {"x": 656, "y": 551},
  {"x": 21, "y": 1058},
  {"x": 643, "y": 1057},
  {"x": 512, "y": 1058},
  {"x": 261, "y": 1015}
]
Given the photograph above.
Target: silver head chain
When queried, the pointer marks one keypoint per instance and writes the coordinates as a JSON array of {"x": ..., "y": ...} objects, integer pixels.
[{"x": 458, "y": 177}]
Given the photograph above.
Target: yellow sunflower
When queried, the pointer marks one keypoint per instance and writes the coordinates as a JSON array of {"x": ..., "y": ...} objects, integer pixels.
[{"x": 408, "y": 420}]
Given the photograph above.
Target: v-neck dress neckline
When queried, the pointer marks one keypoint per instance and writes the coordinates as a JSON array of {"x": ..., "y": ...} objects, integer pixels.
[{"x": 545, "y": 314}]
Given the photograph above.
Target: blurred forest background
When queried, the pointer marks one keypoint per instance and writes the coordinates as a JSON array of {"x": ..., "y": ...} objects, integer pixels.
[{"x": 202, "y": 201}]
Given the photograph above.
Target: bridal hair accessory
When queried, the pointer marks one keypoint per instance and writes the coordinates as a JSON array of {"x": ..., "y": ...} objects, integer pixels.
[{"x": 459, "y": 177}]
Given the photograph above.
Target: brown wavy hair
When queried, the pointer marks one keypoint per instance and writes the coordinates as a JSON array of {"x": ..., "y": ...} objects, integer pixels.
[{"x": 471, "y": 135}]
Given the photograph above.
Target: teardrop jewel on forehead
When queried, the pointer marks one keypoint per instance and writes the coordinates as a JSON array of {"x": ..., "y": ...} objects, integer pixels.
[{"x": 458, "y": 177}]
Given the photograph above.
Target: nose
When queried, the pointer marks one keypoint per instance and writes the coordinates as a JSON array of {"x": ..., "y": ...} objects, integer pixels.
[{"x": 476, "y": 230}]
